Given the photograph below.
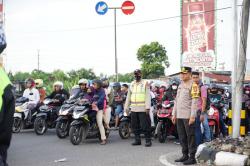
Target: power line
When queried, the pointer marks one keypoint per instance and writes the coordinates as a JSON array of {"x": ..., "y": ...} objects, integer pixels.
[{"x": 127, "y": 24}]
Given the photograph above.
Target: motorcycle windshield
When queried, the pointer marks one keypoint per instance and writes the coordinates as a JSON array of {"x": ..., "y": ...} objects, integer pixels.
[{"x": 75, "y": 92}]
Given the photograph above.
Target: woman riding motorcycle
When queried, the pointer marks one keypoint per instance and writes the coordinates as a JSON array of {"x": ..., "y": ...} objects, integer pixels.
[
  {"x": 42, "y": 92},
  {"x": 98, "y": 106},
  {"x": 31, "y": 93}
]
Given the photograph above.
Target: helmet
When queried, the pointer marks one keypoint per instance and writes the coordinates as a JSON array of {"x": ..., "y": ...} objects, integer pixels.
[
  {"x": 105, "y": 82},
  {"x": 83, "y": 81},
  {"x": 156, "y": 85},
  {"x": 137, "y": 72},
  {"x": 31, "y": 81},
  {"x": 117, "y": 86},
  {"x": 214, "y": 86},
  {"x": 58, "y": 83},
  {"x": 98, "y": 83},
  {"x": 39, "y": 83}
]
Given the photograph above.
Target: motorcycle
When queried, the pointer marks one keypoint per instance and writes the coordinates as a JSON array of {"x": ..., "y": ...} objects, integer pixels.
[
  {"x": 22, "y": 117},
  {"x": 84, "y": 125},
  {"x": 65, "y": 114},
  {"x": 213, "y": 120},
  {"x": 125, "y": 126},
  {"x": 46, "y": 118},
  {"x": 165, "y": 127},
  {"x": 65, "y": 118}
]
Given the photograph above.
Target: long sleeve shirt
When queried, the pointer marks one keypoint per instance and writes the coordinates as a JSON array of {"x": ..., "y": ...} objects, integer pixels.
[
  {"x": 185, "y": 106},
  {"x": 147, "y": 98},
  {"x": 33, "y": 95}
]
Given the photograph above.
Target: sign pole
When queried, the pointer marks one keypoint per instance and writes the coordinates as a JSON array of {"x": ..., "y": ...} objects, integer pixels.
[{"x": 116, "y": 60}]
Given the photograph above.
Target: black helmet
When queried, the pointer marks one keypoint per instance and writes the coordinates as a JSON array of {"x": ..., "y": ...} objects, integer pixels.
[
  {"x": 98, "y": 83},
  {"x": 137, "y": 72},
  {"x": 105, "y": 82},
  {"x": 117, "y": 84},
  {"x": 214, "y": 86}
]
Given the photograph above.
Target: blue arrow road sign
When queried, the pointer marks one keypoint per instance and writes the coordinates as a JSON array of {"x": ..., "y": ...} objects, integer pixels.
[{"x": 101, "y": 8}]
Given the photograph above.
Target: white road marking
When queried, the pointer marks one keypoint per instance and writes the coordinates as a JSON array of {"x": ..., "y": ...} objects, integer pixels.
[{"x": 163, "y": 160}]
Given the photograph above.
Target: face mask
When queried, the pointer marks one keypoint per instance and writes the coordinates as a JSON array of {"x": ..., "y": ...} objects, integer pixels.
[
  {"x": 174, "y": 87},
  {"x": 137, "y": 78},
  {"x": 214, "y": 92}
]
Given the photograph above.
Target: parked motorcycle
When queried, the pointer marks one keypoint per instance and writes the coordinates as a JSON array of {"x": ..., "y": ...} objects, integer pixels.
[
  {"x": 84, "y": 125},
  {"x": 22, "y": 117},
  {"x": 46, "y": 118},
  {"x": 165, "y": 127}
]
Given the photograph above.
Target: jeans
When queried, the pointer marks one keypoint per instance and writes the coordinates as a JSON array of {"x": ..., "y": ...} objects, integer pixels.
[
  {"x": 206, "y": 136},
  {"x": 223, "y": 128},
  {"x": 118, "y": 110}
]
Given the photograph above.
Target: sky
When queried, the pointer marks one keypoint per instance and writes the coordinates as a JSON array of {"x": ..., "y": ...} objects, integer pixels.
[{"x": 69, "y": 34}]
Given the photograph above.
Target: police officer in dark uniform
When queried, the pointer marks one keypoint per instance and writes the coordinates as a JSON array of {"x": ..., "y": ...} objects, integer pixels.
[{"x": 7, "y": 109}]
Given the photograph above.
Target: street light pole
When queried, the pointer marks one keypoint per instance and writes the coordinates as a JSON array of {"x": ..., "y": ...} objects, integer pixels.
[{"x": 116, "y": 59}]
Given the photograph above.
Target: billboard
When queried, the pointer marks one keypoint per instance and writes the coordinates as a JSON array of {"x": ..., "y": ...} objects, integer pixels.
[{"x": 198, "y": 34}]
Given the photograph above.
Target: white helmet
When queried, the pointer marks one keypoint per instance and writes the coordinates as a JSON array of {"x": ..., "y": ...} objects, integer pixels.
[
  {"x": 83, "y": 81},
  {"x": 58, "y": 83}
]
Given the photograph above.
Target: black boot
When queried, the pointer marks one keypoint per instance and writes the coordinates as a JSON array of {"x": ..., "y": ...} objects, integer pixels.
[
  {"x": 148, "y": 143},
  {"x": 190, "y": 161},
  {"x": 182, "y": 159},
  {"x": 137, "y": 142}
]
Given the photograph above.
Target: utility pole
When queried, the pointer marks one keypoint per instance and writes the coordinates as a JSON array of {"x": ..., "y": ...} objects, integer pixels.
[
  {"x": 116, "y": 60},
  {"x": 38, "y": 60},
  {"x": 241, "y": 68}
]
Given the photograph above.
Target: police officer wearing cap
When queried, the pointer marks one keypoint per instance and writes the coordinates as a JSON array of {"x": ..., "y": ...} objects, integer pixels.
[
  {"x": 184, "y": 114},
  {"x": 139, "y": 100}
]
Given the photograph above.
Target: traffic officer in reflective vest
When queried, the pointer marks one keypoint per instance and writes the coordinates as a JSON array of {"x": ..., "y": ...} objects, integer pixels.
[
  {"x": 7, "y": 108},
  {"x": 184, "y": 114},
  {"x": 138, "y": 100}
]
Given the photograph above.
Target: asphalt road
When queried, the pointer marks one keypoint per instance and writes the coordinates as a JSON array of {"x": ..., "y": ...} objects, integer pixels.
[{"x": 28, "y": 149}]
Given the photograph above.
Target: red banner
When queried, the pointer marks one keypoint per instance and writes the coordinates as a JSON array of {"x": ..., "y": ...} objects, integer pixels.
[{"x": 198, "y": 34}]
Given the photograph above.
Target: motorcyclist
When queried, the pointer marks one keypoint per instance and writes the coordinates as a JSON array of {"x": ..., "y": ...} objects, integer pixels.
[
  {"x": 171, "y": 92},
  {"x": 108, "y": 101},
  {"x": 216, "y": 99},
  {"x": 31, "y": 93},
  {"x": 118, "y": 101},
  {"x": 83, "y": 85},
  {"x": 42, "y": 92},
  {"x": 59, "y": 94},
  {"x": 98, "y": 106}
]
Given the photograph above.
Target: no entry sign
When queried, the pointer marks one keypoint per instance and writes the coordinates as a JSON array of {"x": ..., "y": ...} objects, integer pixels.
[{"x": 128, "y": 7}]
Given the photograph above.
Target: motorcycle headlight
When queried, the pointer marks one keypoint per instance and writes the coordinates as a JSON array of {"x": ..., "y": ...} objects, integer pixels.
[
  {"x": 63, "y": 112},
  {"x": 211, "y": 111}
]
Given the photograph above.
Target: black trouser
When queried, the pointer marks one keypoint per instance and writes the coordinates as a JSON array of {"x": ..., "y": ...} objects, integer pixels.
[
  {"x": 140, "y": 122},
  {"x": 186, "y": 134},
  {"x": 6, "y": 123}
]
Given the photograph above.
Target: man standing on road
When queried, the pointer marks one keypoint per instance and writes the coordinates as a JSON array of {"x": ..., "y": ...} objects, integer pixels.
[
  {"x": 139, "y": 100},
  {"x": 202, "y": 117},
  {"x": 184, "y": 114}
]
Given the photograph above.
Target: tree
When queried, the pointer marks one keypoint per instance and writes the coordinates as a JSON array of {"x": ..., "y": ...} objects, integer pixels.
[
  {"x": 154, "y": 60},
  {"x": 128, "y": 77}
]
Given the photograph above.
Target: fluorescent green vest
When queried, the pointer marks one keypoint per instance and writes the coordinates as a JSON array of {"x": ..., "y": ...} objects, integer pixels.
[
  {"x": 4, "y": 82},
  {"x": 138, "y": 96}
]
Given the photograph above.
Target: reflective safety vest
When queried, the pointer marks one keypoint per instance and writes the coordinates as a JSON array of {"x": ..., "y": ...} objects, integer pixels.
[
  {"x": 4, "y": 82},
  {"x": 138, "y": 93}
]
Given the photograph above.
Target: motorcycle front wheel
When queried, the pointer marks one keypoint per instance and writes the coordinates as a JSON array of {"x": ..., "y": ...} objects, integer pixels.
[
  {"x": 124, "y": 130},
  {"x": 161, "y": 132},
  {"x": 40, "y": 126},
  {"x": 62, "y": 129},
  {"x": 17, "y": 125},
  {"x": 75, "y": 134}
]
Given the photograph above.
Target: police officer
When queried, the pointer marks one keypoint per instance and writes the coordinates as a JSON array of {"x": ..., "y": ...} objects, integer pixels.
[
  {"x": 139, "y": 100},
  {"x": 184, "y": 114}
]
